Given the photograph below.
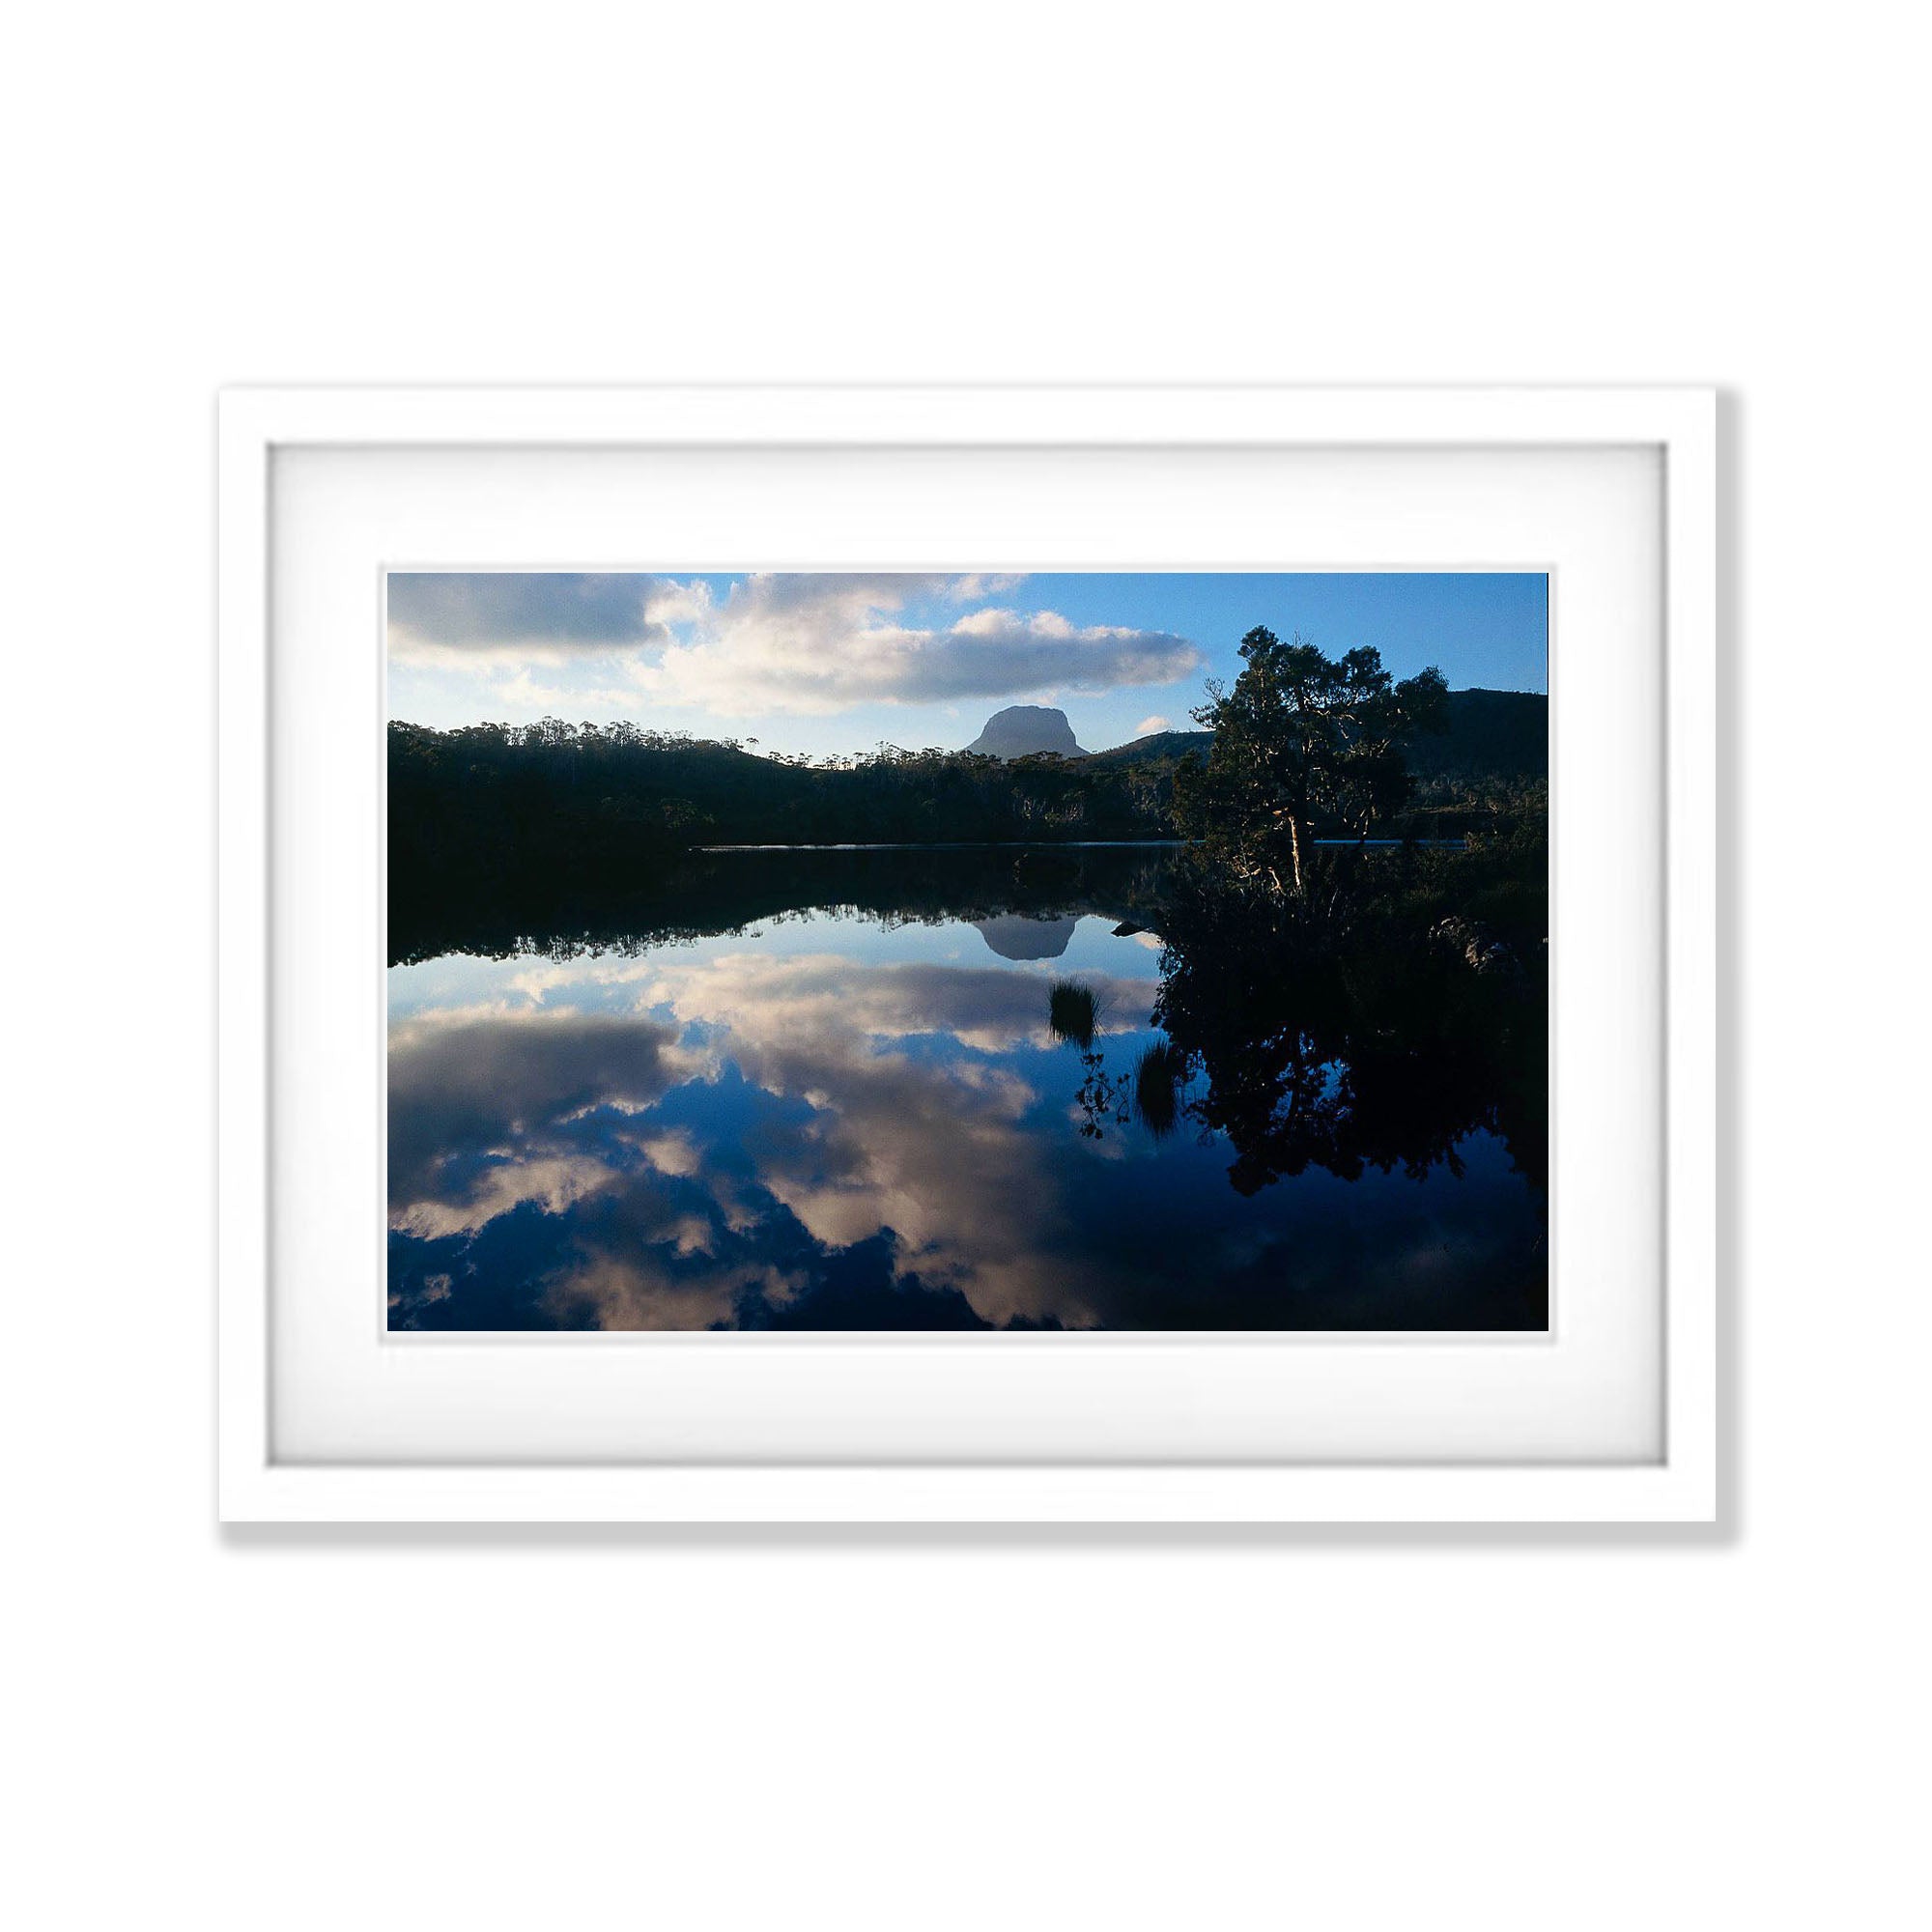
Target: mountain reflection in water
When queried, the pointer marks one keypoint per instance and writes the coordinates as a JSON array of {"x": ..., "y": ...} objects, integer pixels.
[
  {"x": 1017, "y": 936},
  {"x": 826, "y": 1091}
]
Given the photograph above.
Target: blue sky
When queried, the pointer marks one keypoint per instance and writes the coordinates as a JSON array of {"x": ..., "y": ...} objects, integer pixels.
[{"x": 836, "y": 662}]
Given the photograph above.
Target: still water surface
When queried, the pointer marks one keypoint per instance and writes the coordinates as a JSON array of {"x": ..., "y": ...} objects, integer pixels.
[{"x": 837, "y": 1104}]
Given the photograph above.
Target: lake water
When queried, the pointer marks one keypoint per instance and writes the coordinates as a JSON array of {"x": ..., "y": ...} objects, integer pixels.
[{"x": 826, "y": 1092}]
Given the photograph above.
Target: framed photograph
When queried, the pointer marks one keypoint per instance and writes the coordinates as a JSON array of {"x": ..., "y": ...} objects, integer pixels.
[{"x": 968, "y": 955}]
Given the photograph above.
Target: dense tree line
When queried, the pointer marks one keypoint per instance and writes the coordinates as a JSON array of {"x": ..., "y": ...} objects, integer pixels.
[
  {"x": 1303, "y": 747},
  {"x": 496, "y": 801}
]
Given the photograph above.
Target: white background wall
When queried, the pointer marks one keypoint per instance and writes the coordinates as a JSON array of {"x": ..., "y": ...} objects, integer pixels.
[{"x": 1068, "y": 1730}]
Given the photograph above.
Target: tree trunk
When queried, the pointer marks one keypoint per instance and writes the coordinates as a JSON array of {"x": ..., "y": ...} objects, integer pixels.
[{"x": 1299, "y": 842}]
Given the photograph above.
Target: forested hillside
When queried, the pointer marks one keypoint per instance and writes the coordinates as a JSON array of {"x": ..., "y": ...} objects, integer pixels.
[
  {"x": 494, "y": 802},
  {"x": 490, "y": 800}
]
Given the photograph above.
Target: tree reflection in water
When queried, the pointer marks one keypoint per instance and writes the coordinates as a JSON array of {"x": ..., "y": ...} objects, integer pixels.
[
  {"x": 1345, "y": 1036},
  {"x": 1348, "y": 1031}
]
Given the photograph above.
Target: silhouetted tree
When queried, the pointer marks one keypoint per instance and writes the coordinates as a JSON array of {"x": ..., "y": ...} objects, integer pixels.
[{"x": 1303, "y": 736}]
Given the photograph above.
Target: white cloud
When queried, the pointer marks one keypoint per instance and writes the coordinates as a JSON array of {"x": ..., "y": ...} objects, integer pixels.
[
  {"x": 822, "y": 643},
  {"x": 818, "y": 643},
  {"x": 461, "y": 618},
  {"x": 1148, "y": 727}
]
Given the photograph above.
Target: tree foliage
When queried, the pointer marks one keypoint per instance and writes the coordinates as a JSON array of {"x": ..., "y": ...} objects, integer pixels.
[{"x": 1302, "y": 742}]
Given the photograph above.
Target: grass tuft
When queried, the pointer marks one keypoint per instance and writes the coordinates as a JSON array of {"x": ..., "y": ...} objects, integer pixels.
[
  {"x": 1072, "y": 1013},
  {"x": 1158, "y": 1078}
]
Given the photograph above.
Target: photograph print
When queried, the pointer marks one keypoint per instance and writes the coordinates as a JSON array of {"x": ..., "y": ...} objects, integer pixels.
[{"x": 1101, "y": 951}]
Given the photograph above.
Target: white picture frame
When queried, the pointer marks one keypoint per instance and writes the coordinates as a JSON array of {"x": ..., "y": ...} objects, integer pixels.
[{"x": 1679, "y": 1482}]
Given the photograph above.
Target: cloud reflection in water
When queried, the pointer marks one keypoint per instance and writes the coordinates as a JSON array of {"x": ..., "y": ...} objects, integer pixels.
[{"x": 837, "y": 1125}]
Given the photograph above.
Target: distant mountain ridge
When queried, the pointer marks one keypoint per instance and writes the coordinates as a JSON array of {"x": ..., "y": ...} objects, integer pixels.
[
  {"x": 1023, "y": 730},
  {"x": 1155, "y": 746},
  {"x": 1491, "y": 734}
]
